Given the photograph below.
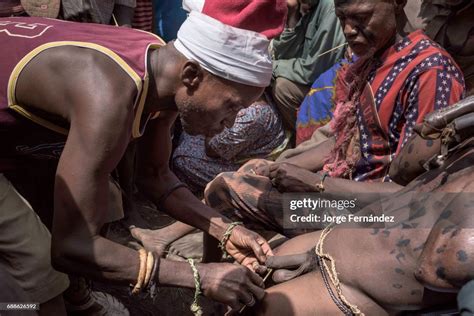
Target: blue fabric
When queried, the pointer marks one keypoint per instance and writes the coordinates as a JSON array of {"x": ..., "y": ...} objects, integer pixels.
[
  {"x": 169, "y": 15},
  {"x": 317, "y": 107}
]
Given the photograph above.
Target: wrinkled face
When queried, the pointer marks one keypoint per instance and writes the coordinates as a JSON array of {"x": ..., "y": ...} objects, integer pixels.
[
  {"x": 367, "y": 23},
  {"x": 214, "y": 105}
]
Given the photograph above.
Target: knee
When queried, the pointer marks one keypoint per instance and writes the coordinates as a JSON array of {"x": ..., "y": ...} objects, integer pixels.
[
  {"x": 280, "y": 89},
  {"x": 217, "y": 192}
]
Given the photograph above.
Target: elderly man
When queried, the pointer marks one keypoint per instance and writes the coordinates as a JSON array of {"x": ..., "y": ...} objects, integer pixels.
[
  {"x": 396, "y": 81},
  {"x": 76, "y": 92}
]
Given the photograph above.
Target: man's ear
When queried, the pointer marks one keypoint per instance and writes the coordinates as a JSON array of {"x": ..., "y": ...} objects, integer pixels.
[
  {"x": 192, "y": 74},
  {"x": 399, "y": 6}
]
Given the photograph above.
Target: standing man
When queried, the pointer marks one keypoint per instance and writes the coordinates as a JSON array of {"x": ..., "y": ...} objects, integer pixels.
[{"x": 77, "y": 93}]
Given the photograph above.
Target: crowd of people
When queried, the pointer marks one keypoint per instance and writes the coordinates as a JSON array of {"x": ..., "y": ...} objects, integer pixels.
[{"x": 215, "y": 112}]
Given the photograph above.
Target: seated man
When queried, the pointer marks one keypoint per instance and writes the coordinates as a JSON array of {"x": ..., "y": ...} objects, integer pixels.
[
  {"x": 420, "y": 261},
  {"x": 396, "y": 81},
  {"x": 310, "y": 44},
  {"x": 256, "y": 133},
  {"x": 75, "y": 93}
]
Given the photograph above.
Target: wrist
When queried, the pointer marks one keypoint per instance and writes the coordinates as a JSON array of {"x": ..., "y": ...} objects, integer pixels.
[
  {"x": 319, "y": 184},
  {"x": 174, "y": 273},
  {"x": 218, "y": 227},
  {"x": 202, "y": 269},
  {"x": 226, "y": 236}
]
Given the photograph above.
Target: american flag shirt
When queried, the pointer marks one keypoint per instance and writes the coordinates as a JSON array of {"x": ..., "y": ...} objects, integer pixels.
[{"x": 415, "y": 77}]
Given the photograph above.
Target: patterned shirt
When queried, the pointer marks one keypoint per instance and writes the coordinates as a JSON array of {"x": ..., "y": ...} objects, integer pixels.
[
  {"x": 256, "y": 133},
  {"x": 416, "y": 76}
]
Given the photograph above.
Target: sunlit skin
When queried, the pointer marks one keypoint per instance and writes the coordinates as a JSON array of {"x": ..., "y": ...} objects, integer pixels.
[
  {"x": 93, "y": 94},
  {"x": 419, "y": 264}
]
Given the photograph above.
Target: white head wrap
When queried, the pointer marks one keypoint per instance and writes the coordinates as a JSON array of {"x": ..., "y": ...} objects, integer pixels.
[{"x": 232, "y": 53}]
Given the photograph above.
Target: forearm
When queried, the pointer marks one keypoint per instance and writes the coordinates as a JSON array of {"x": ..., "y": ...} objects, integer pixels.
[
  {"x": 364, "y": 191},
  {"x": 313, "y": 159},
  {"x": 179, "y": 274},
  {"x": 96, "y": 258},
  {"x": 409, "y": 163},
  {"x": 123, "y": 266},
  {"x": 182, "y": 205}
]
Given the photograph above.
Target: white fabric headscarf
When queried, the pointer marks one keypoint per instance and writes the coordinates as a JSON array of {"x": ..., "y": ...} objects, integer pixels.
[{"x": 232, "y": 53}]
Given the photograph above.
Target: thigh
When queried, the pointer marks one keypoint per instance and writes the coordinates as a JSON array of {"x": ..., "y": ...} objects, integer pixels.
[
  {"x": 308, "y": 295},
  {"x": 299, "y": 244},
  {"x": 25, "y": 245}
]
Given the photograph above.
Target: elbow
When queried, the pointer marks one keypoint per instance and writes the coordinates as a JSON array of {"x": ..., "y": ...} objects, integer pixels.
[{"x": 61, "y": 251}]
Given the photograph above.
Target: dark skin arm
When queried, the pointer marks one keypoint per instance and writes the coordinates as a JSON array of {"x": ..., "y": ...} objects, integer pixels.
[
  {"x": 290, "y": 178},
  {"x": 409, "y": 162},
  {"x": 155, "y": 177},
  {"x": 65, "y": 81},
  {"x": 100, "y": 110},
  {"x": 310, "y": 160}
]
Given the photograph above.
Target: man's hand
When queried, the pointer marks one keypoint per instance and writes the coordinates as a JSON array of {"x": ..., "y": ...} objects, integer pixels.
[
  {"x": 231, "y": 284},
  {"x": 263, "y": 169},
  {"x": 290, "y": 178},
  {"x": 248, "y": 248}
]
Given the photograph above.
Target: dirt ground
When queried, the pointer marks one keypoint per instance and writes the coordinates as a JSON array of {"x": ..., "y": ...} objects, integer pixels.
[{"x": 168, "y": 301}]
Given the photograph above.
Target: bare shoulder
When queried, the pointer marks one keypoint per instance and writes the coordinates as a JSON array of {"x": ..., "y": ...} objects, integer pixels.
[{"x": 62, "y": 79}]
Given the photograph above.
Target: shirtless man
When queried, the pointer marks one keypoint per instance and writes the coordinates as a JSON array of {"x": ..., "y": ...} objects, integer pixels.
[
  {"x": 77, "y": 92},
  {"x": 419, "y": 262}
]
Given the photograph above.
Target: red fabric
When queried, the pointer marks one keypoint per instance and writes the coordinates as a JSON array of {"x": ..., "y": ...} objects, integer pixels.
[
  {"x": 416, "y": 77},
  {"x": 21, "y": 138},
  {"x": 263, "y": 16},
  {"x": 35, "y": 32},
  {"x": 143, "y": 17}
]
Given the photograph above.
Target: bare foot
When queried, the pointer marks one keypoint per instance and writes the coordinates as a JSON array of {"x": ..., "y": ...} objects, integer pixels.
[
  {"x": 158, "y": 240},
  {"x": 152, "y": 240},
  {"x": 134, "y": 219}
]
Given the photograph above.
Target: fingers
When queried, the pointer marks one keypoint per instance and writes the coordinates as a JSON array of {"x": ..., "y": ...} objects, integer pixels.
[
  {"x": 261, "y": 171},
  {"x": 265, "y": 247},
  {"x": 247, "y": 298},
  {"x": 255, "y": 279},
  {"x": 258, "y": 251},
  {"x": 257, "y": 291},
  {"x": 288, "y": 262},
  {"x": 276, "y": 170}
]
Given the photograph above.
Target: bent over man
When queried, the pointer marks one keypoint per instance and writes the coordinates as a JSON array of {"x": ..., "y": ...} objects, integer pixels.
[{"x": 81, "y": 93}]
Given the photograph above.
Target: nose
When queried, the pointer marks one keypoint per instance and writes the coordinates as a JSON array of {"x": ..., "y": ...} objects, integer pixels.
[{"x": 350, "y": 29}]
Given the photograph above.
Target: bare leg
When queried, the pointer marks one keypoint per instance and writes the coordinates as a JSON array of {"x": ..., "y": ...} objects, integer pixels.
[{"x": 307, "y": 295}]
